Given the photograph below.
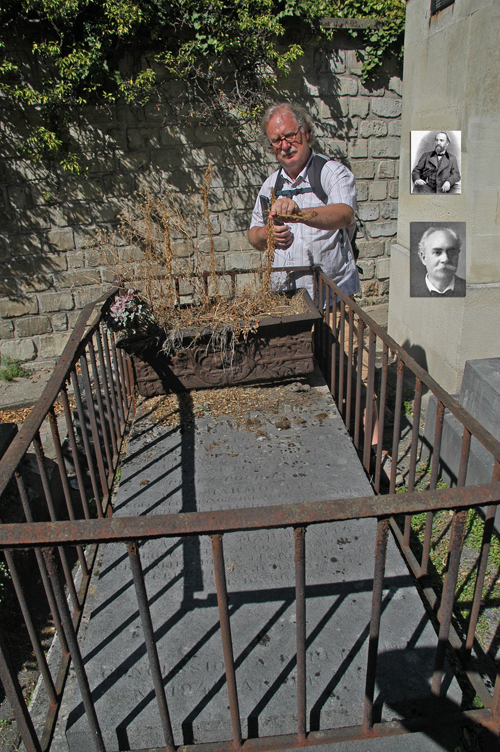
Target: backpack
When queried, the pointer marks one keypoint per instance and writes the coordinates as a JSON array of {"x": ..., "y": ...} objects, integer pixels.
[{"x": 314, "y": 176}]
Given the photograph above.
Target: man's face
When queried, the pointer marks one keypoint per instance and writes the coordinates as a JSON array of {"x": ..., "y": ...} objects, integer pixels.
[
  {"x": 291, "y": 153},
  {"x": 440, "y": 258},
  {"x": 440, "y": 143}
]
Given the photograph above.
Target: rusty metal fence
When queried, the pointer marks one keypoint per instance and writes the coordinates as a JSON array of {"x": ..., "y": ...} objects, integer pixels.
[{"x": 368, "y": 374}]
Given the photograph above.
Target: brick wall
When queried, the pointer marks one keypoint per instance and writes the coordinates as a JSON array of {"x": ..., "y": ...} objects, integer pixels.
[{"x": 48, "y": 218}]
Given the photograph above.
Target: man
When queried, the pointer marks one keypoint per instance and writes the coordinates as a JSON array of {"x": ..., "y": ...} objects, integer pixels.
[
  {"x": 306, "y": 181},
  {"x": 437, "y": 171},
  {"x": 438, "y": 250}
]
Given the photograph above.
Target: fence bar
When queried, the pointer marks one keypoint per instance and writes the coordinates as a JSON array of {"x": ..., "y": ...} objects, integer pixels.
[
  {"x": 225, "y": 629},
  {"x": 89, "y": 400},
  {"x": 378, "y": 586},
  {"x": 74, "y": 452},
  {"x": 417, "y": 407},
  {"x": 489, "y": 524},
  {"x": 340, "y": 398},
  {"x": 37, "y": 648},
  {"x": 105, "y": 418},
  {"x": 41, "y": 565},
  {"x": 107, "y": 397},
  {"x": 335, "y": 352},
  {"x": 65, "y": 483},
  {"x": 150, "y": 640},
  {"x": 76, "y": 656},
  {"x": 112, "y": 383},
  {"x": 359, "y": 369},
  {"x": 300, "y": 606},
  {"x": 397, "y": 425},
  {"x": 438, "y": 432},
  {"x": 16, "y": 699},
  {"x": 370, "y": 394},
  {"x": 446, "y": 607},
  {"x": 86, "y": 443},
  {"x": 348, "y": 400},
  {"x": 40, "y": 457},
  {"x": 381, "y": 418}
]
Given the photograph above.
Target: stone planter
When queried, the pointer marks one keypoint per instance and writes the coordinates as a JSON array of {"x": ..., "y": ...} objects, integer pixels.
[{"x": 281, "y": 348}]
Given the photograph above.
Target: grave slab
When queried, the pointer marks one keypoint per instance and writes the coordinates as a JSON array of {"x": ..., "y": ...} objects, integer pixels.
[{"x": 287, "y": 447}]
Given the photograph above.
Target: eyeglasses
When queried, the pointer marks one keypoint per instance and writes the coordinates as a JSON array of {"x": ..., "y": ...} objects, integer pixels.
[{"x": 290, "y": 137}]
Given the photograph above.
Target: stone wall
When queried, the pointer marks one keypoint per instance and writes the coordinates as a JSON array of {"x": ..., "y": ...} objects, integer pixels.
[{"x": 48, "y": 218}]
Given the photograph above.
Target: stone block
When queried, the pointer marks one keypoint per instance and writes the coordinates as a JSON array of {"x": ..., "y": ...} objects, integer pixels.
[
  {"x": 396, "y": 85},
  {"x": 108, "y": 276},
  {"x": 16, "y": 267},
  {"x": 368, "y": 269},
  {"x": 221, "y": 244},
  {"x": 247, "y": 282},
  {"x": 8, "y": 221},
  {"x": 348, "y": 86},
  {"x": 358, "y": 149},
  {"x": 19, "y": 197},
  {"x": 362, "y": 191},
  {"x": 25, "y": 245},
  {"x": 83, "y": 296},
  {"x": 61, "y": 240},
  {"x": 383, "y": 268},
  {"x": 29, "y": 326},
  {"x": 35, "y": 283},
  {"x": 394, "y": 127},
  {"x": 383, "y": 229},
  {"x": 119, "y": 185},
  {"x": 71, "y": 214},
  {"x": 359, "y": 107},
  {"x": 117, "y": 137},
  {"x": 21, "y": 350},
  {"x": 134, "y": 161},
  {"x": 142, "y": 138},
  {"x": 370, "y": 249},
  {"x": 243, "y": 260},
  {"x": 236, "y": 221},
  {"x": 51, "y": 262},
  {"x": 85, "y": 238},
  {"x": 77, "y": 279},
  {"x": 370, "y": 91},
  {"x": 35, "y": 219},
  {"x": 387, "y": 148},
  {"x": 353, "y": 64},
  {"x": 9, "y": 287},
  {"x": 385, "y": 170},
  {"x": 368, "y": 212},
  {"x": 56, "y": 301},
  {"x": 378, "y": 190},
  {"x": 183, "y": 248},
  {"x": 10, "y": 309},
  {"x": 389, "y": 210},
  {"x": 86, "y": 190},
  {"x": 389, "y": 108},
  {"x": 370, "y": 289},
  {"x": 215, "y": 224},
  {"x": 102, "y": 162},
  {"x": 363, "y": 169},
  {"x": 394, "y": 188},
  {"x": 6, "y": 330},
  {"x": 51, "y": 345},
  {"x": 376, "y": 128},
  {"x": 76, "y": 260}
]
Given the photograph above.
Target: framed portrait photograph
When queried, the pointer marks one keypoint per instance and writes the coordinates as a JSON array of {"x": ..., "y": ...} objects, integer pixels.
[
  {"x": 436, "y": 162},
  {"x": 437, "y": 260}
]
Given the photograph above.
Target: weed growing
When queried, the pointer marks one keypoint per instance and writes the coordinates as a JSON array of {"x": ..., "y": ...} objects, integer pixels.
[{"x": 10, "y": 369}]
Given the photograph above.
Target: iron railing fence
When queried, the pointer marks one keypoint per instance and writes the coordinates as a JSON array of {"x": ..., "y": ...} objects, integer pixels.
[
  {"x": 61, "y": 465},
  {"x": 346, "y": 334}
]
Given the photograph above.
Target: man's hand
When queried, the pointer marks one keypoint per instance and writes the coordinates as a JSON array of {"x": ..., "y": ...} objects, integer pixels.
[
  {"x": 420, "y": 182},
  {"x": 284, "y": 206},
  {"x": 446, "y": 186}
]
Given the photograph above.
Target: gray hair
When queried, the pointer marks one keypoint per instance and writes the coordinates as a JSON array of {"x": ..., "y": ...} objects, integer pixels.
[
  {"x": 302, "y": 117},
  {"x": 432, "y": 230}
]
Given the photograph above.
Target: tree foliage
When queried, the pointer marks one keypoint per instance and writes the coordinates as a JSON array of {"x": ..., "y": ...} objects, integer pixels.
[{"x": 58, "y": 55}]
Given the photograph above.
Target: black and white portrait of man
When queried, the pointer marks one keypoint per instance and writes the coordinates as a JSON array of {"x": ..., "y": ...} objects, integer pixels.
[
  {"x": 435, "y": 160},
  {"x": 437, "y": 260}
]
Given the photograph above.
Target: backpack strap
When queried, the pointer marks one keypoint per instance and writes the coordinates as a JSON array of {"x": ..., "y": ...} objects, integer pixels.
[{"x": 313, "y": 174}]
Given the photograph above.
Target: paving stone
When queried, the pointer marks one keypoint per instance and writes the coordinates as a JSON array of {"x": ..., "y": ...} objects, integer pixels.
[{"x": 216, "y": 463}]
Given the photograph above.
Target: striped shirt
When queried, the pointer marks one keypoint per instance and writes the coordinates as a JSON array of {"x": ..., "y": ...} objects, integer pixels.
[{"x": 330, "y": 249}]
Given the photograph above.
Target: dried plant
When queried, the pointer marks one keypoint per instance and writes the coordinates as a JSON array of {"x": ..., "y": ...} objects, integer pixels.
[{"x": 156, "y": 254}]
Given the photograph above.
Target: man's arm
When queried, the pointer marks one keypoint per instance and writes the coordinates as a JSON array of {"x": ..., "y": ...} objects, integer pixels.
[
  {"x": 330, "y": 217},
  {"x": 416, "y": 174},
  {"x": 454, "y": 175}
]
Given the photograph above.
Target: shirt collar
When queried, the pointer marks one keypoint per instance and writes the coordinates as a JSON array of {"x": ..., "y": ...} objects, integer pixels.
[
  {"x": 432, "y": 288},
  {"x": 302, "y": 176}
]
